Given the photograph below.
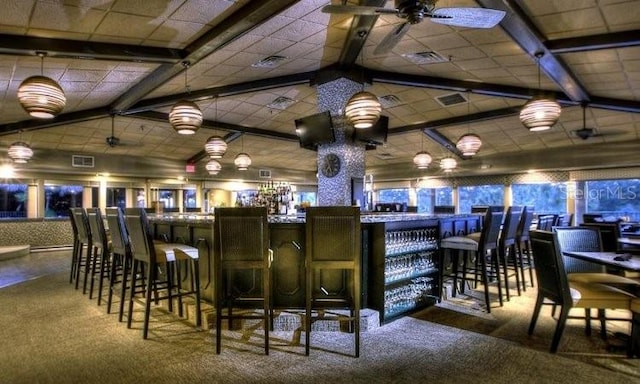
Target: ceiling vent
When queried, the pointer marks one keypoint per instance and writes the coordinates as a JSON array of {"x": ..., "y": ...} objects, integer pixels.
[
  {"x": 269, "y": 62},
  {"x": 389, "y": 101},
  {"x": 281, "y": 103},
  {"x": 427, "y": 57},
  {"x": 82, "y": 161},
  {"x": 384, "y": 156},
  {"x": 264, "y": 173},
  {"x": 451, "y": 99}
]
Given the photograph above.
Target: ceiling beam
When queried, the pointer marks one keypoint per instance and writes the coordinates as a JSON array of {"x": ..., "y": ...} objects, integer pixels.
[
  {"x": 211, "y": 124},
  {"x": 623, "y": 39},
  {"x": 441, "y": 139},
  {"x": 519, "y": 26},
  {"x": 231, "y": 28},
  {"x": 87, "y": 50},
  {"x": 222, "y": 91},
  {"x": 497, "y": 90},
  {"x": 458, "y": 120},
  {"x": 357, "y": 35},
  {"x": 67, "y": 118}
]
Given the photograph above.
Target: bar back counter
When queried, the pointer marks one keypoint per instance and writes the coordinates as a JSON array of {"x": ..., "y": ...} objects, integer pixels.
[{"x": 401, "y": 265}]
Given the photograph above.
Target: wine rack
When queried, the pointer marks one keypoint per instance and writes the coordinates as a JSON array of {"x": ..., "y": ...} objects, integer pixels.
[{"x": 404, "y": 277}]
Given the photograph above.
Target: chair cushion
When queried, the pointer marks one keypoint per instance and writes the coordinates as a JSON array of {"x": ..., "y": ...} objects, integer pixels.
[
  {"x": 600, "y": 277},
  {"x": 466, "y": 243},
  {"x": 168, "y": 252},
  {"x": 593, "y": 295}
]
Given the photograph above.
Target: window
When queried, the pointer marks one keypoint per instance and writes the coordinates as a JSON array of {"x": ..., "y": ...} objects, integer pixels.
[
  {"x": 544, "y": 197},
  {"x": 613, "y": 199},
  {"x": 116, "y": 197},
  {"x": 394, "y": 195},
  {"x": 168, "y": 197},
  {"x": 429, "y": 197},
  {"x": 59, "y": 198},
  {"x": 308, "y": 197},
  {"x": 480, "y": 195},
  {"x": 189, "y": 198},
  {"x": 13, "y": 200}
]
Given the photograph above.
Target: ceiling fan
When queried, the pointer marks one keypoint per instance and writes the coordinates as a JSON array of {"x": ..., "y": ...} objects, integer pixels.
[
  {"x": 584, "y": 133},
  {"x": 414, "y": 11}
]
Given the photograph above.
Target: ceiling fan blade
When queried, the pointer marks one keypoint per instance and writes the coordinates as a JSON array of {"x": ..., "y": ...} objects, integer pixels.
[
  {"x": 392, "y": 38},
  {"x": 468, "y": 17},
  {"x": 357, "y": 10}
]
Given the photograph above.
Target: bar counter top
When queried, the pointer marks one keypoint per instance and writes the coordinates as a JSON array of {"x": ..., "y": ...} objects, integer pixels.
[{"x": 300, "y": 218}]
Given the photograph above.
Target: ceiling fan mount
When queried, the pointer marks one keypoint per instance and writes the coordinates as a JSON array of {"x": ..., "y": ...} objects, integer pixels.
[
  {"x": 585, "y": 132},
  {"x": 414, "y": 11}
]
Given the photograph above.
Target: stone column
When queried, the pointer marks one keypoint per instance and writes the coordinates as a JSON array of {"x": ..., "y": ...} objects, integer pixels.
[{"x": 336, "y": 190}]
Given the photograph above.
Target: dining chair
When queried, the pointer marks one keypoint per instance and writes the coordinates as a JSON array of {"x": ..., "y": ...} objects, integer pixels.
[
  {"x": 333, "y": 268},
  {"x": 155, "y": 262},
  {"x": 546, "y": 222},
  {"x": 555, "y": 287},
  {"x": 484, "y": 246},
  {"x": 242, "y": 265},
  {"x": 634, "y": 342}
]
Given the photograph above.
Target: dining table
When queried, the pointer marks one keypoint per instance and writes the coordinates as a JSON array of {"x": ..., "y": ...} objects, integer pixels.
[{"x": 622, "y": 261}]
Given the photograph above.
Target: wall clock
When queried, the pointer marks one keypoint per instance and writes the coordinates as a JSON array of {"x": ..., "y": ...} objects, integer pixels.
[{"x": 330, "y": 165}]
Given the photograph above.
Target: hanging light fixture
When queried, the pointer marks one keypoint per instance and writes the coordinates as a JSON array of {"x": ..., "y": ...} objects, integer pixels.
[
  {"x": 213, "y": 167},
  {"x": 20, "y": 152},
  {"x": 422, "y": 159},
  {"x": 215, "y": 146},
  {"x": 448, "y": 164},
  {"x": 242, "y": 160},
  {"x": 469, "y": 144},
  {"x": 363, "y": 108},
  {"x": 41, "y": 96},
  {"x": 541, "y": 112},
  {"x": 185, "y": 116}
]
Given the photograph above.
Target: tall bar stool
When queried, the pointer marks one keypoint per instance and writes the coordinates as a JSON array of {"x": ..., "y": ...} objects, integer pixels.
[
  {"x": 101, "y": 261},
  {"x": 507, "y": 246},
  {"x": 78, "y": 247},
  {"x": 523, "y": 245},
  {"x": 83, "y": 263},
  {"x": 121, "y": 249},
  {"x": 156, "y": 261},
  {"x": 242, "y": 265},
  {"x": 482, "y": 244},
  {"x": 333, "y": 267}
]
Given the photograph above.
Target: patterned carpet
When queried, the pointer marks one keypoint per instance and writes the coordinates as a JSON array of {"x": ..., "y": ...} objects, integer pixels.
[{"x": 52, "y": 333}]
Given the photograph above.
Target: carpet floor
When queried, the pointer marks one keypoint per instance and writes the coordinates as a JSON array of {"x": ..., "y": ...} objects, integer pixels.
[{"x": 52, "y": 333}]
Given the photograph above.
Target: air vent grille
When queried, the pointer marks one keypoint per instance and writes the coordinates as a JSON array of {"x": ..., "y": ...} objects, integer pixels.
[
  {"x": 269, "y": 62},
  {"x": 79, "y": 161},
  {"x": 389, "y": 101},
  {"x": 427, "y": 57},
  {"x": 451, "y": 99},
  {"x": 264, "y": 173},
  {"x": 384, "y": 156},
  {"x": 281, "y": 103}
]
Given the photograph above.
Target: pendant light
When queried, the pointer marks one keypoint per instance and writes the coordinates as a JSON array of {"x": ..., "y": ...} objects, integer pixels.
[
  {"x": 41, "y": 96},
  {"x": 213, "y": 167},
  {"x": 185, "y": 116},
  {"x": 469, "y": 144},
  {"x": 422, "y": 159},
  {"x": 448, "y": 164},
  {"x": 215, "y": 146},
  {"x": 363, "y": 108},
  {"x": 20, "y": 152},
  {"x": 541, "y": 112},
  {"x": 242, "y": 160}
]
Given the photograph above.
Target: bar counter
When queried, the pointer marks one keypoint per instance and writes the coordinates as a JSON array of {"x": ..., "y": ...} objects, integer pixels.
[{"x": 399, "y": 255}]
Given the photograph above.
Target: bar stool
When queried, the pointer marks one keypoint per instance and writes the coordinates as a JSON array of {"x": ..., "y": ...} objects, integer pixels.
[
  {"x": 242, "y": 265},
  {"x": 83, "y": 263},
  {"x": 152, "y": 259},
  {"x": 507, "y": 246},
  {"x": 523, "y": 245},
  {"x": 481, "y": 244},
  {"x": 101, "y": 261},
  {"x": 78, "y": 246},
  {"x": 121, "y": 250},
  {"x": 333, "y": 267}
]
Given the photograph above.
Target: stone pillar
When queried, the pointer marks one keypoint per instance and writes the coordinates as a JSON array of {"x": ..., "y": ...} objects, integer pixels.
[{"x": 336, "y": 190}]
